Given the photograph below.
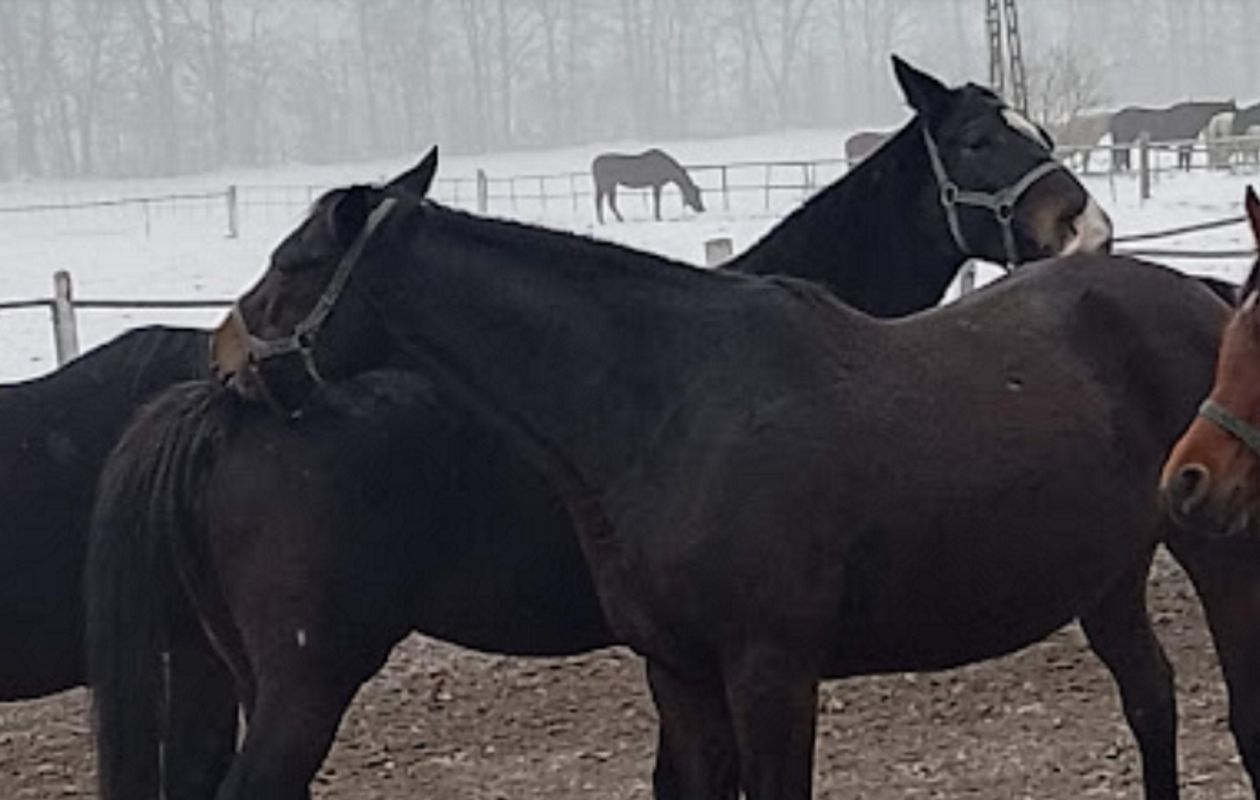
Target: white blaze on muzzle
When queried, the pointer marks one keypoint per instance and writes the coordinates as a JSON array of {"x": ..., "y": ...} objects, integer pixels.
[{"x": 1093, "y": 230}]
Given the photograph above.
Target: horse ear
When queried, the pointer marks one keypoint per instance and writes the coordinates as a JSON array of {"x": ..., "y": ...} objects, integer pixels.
[
  {"x": 924, "y": 93},
  {"x": 1252, "y": 204},
  {"x": 417, "y": 180}
]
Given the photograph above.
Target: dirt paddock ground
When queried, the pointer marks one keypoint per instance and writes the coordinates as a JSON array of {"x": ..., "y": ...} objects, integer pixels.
[{"x": 441, "y": 722}]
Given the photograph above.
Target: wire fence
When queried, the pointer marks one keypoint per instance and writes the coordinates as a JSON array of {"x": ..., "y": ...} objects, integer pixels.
[{"x": 751, "y": 187}]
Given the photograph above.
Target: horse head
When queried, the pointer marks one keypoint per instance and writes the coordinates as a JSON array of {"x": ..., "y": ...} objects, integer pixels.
[
  {"x": 1211, "y": 480},
  {"x": 691, "y": 195},
  {"x": 277, "y": 348},
  {"x": 1005, "y": 197}
]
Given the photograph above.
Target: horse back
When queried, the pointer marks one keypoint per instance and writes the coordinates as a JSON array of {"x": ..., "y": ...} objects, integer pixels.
[{"x": 651, "y": 167}]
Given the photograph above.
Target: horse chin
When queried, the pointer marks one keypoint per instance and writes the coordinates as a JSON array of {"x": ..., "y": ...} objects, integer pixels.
[
  {"x": 1092, "y": 232},
  {"x": 1212, "y": 522}
]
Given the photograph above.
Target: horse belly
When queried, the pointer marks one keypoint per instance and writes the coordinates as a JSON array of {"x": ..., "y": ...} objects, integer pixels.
[{"x": 911, "y": 606}]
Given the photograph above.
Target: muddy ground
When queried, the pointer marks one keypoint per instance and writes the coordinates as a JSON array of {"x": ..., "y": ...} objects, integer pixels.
[{"x": 441, "y": 722}]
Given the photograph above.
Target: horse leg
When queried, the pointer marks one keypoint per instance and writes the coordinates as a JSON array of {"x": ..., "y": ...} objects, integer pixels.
[
  {"x": 1119, "y": 631},
  {"x": 612, "y": 202},
  {"x": 599, "y": 205},
  {"x": 696, "y": 755},
  {"x": 773, "y": 699},
  {"x": 656, "y": 201},
  {"x": 1228, "y": 585},
  {"x": 291, "y": 730},
  {"x": 201, "y": 720}
]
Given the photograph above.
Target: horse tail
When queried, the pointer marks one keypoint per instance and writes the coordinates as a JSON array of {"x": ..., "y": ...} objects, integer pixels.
[{"x": 149, "y": 494}]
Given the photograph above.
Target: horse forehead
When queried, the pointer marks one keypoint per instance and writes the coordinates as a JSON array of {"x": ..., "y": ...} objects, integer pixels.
[{"x": 1022, "y": 124}]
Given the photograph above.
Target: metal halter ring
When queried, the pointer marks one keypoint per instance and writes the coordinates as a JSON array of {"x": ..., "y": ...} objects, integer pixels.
[{"x": 1001, "y": 203}]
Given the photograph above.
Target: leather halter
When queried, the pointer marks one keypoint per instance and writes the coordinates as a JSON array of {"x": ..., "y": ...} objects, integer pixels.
[
  {"x": 1001, "y": 203},
  {"x": 302, "y": 340},
  {"x": 1242, "y": 430}
]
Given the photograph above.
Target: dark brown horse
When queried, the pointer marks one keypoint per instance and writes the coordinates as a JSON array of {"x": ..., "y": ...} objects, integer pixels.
[
  {"x": 514, "y": 517},
  {"x": 650, "y": 169},
  {"x": 770, "y": 488}
]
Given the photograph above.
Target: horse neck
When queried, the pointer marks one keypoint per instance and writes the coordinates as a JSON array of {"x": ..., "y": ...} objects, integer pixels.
[
  {"x": 556, "y": 337},
  {"x": 876, "y": 238}
]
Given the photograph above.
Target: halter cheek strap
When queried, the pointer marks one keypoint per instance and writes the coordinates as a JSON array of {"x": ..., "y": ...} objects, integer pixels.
[
  {"x": 1245, "y": 432},
  {"x": 1001, "y": 203},
  {"x": 302, "y": 340}
]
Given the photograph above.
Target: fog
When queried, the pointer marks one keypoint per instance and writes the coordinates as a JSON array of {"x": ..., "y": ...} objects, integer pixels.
[{"x": 161, "y": 87}]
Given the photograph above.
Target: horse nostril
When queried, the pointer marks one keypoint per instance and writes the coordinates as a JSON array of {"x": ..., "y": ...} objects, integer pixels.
[{"x": 1190, "y": 487}]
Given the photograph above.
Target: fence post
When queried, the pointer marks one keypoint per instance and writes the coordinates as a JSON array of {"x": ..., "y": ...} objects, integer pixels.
[
  {"x": 726, "y": 191},
  {"x": 542, "y": 191},
  {"x": 769, "y": 176},
  {"x": 573, "y": 190},
  {"x": 1144, "y": 166},
  {"x": 483, "y": 192},
  {"x": 233, "y": 221},
  {"x": 65, "y": 333},
  {"x": 144, "y": 205},
  {"x": 718, "y": 251}
]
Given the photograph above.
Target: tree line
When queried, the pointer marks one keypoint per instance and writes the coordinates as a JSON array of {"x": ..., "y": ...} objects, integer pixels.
[{"x": 162, "y": 87}]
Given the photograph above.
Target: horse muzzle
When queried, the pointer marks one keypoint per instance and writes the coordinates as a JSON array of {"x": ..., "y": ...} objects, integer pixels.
[{"x": 1091, "y": 231}]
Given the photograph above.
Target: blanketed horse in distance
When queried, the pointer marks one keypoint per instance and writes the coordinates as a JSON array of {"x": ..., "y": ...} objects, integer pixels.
[
  {"x": 652, "y": 168},
  {"x": 1181, "y": 122}
]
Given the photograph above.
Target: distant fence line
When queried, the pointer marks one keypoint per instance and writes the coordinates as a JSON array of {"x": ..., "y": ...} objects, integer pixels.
[
  {"x": 542, "y": 193},
  {"x": 760, "y": 180}
]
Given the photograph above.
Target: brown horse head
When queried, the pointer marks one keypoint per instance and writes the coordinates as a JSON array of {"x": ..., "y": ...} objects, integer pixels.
[{"x": 1211, "y": 480}]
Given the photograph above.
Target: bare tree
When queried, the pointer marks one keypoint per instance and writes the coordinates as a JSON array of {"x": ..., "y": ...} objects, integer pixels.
[{"x": 1063, "y": 82}]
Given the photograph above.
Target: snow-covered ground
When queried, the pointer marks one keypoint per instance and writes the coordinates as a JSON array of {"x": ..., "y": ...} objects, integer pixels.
[{"x": 117, "y": 253}]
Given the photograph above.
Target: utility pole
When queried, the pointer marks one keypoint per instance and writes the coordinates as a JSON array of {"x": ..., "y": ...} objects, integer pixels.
[{"x": 1006, "y": 53}]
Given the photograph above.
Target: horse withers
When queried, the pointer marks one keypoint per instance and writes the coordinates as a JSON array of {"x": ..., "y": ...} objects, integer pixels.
[{"x": 650, "y": 169}]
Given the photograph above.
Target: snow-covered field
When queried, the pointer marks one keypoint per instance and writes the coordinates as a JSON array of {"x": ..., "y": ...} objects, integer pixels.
[{"x": 184, "y": 254}]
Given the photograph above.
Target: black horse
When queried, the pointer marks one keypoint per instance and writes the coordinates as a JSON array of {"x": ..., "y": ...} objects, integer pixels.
[
  {"x": 518, "y": 518},
  {"x": 653, "y": 168},
  {"x": 1177, "y": 123},
  {"x": 55, "y": 434},
  {"x": 770, "y": 488}
]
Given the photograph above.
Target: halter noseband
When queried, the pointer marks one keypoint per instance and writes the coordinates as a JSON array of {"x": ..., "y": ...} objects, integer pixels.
[
  {"x": 302, "y": 340},
  {"x": 1001, "y": 203},
  {"x": 1245, "y": 432}
]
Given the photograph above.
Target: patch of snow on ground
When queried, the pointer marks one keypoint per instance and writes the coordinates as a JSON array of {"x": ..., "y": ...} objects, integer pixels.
[{"x": 183, "y": 252}]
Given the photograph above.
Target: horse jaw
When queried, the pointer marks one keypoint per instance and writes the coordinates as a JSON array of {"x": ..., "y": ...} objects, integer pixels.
[{"x": 1093, "y": 231}]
